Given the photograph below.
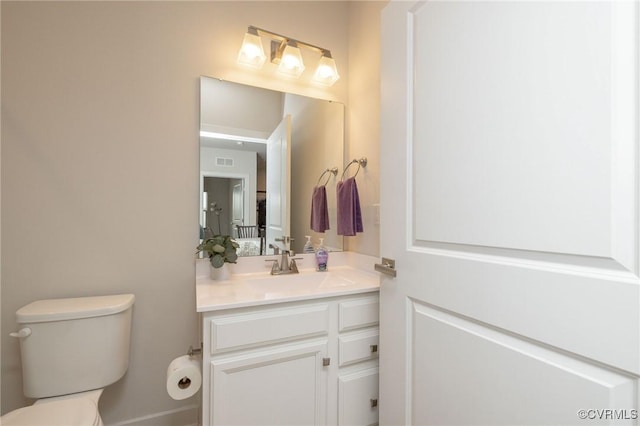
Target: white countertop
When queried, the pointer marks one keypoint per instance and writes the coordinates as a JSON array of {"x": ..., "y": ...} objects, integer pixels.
[{"x": 349, "y": 274}]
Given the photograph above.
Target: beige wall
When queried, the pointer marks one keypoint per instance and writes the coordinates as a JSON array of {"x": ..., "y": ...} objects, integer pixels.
[
  {"x": 100, "y": 157},
  {"x": 363, "y": 118}
]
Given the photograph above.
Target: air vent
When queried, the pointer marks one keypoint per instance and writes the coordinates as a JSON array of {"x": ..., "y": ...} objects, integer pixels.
[{"x": 224, "y": 162}]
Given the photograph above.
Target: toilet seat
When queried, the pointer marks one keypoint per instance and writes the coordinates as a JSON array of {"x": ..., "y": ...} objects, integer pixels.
[{"x": 63, "y": 412}]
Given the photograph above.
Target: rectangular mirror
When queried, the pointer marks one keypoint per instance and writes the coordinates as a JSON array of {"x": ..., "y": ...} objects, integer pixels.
[{"x": 262, "y": 152}]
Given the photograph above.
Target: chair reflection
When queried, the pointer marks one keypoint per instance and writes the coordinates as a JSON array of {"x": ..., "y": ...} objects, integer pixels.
[
  {"x": 251, "y": 233},
  {"x": 247, "y": 231}
]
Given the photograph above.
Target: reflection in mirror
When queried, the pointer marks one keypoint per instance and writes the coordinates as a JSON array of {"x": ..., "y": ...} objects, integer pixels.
[{"x": 261, "y": 154}]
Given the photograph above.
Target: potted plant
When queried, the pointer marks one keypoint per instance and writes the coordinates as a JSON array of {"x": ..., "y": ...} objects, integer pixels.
[{"x": 221, "y": 249}]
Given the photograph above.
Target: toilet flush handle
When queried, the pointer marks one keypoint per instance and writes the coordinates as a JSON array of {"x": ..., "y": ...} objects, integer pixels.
[{"x": 22, "y": 333}]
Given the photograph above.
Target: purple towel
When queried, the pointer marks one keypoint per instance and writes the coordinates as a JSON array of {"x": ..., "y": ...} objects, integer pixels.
[
  {"x": 348, "y": 208},
  {"x": 319, "y": 210}
]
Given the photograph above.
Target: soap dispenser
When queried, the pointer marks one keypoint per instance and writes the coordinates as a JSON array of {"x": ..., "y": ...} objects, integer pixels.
[
  {"x": 308, "y": 246},
  {"x": 322, "y": 257}
]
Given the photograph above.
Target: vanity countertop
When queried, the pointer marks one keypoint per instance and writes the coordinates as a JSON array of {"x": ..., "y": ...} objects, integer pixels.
[{"x": 261, "y": 288}]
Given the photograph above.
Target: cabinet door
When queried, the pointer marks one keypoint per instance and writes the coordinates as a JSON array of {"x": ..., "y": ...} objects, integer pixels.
[
  {"x": 358, "y": 398},
  {"x": 284, "y": 385}
]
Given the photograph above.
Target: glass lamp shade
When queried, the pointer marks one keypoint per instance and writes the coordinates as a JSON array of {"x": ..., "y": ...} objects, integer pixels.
[
  {"x": 251, "y": 53},
  {"x": 291, "y": 61},
  {"x": 326, "y": 73}
]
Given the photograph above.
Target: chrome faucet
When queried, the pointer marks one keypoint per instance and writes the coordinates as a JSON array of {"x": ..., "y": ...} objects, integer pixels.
[
  {"x": 285, "y": 240},
  {"x": 287, "y": 264},
  {"x": 276, "y": 249}
]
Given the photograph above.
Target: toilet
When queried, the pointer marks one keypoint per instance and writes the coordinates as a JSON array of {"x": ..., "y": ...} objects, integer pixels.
[{"x": 71, "y": 350}]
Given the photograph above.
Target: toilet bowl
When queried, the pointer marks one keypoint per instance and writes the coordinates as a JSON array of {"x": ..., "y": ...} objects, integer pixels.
[
  {"x": 70, "y": 349},
  {"x": 73, "y": 410}
]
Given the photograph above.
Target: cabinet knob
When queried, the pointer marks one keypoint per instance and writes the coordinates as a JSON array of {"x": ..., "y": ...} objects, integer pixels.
[
  {"x": 374, "y": 348},
  {"x": 374, "y": 402}
]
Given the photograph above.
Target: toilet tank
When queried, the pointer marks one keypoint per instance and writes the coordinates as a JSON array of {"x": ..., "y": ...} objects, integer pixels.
[{"x": 74, "y": 345}]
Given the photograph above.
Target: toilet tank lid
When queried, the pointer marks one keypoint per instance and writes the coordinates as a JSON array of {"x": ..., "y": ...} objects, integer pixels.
[{"x": 73, "y": 308}]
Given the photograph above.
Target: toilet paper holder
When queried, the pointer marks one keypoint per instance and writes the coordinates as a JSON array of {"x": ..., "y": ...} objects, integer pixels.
[{"x": 194, "y": 351}]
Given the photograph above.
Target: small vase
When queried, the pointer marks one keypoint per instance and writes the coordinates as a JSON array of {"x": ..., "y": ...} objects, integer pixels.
[{"x": 220, "y": 274}]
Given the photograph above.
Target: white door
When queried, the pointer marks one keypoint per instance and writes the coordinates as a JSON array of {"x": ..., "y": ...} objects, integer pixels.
[
  {"x": 278, "y": 181},
  {"x": 237, "y": 202},
  {"x": 515, "y": 234}
]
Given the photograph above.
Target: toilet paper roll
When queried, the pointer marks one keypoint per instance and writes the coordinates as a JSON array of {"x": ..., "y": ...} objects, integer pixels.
[{"x": 184, "y": 377}]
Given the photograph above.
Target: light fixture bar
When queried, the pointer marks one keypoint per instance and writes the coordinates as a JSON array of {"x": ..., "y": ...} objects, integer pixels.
[
  {"x": 281, "y": 38},
  {"x": 285, "y": 51}
]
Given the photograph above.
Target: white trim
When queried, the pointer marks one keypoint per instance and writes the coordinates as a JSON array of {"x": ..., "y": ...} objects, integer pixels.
[
  {"x": 213, "y": 135},
  {"x": 184, "y": 416},
  {"x": 249, "y": 206}
]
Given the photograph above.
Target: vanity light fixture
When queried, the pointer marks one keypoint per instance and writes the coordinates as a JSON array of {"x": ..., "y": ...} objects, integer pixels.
[{"x": 285, "y": 51}]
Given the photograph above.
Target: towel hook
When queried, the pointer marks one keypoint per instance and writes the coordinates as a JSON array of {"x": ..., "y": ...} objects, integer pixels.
[
  {"x": 333, "y": 170},
  {"x": 361, "y": 163}
]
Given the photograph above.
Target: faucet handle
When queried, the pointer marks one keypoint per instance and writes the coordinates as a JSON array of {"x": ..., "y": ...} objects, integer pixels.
[
  {"x": 293, "y": 266},
  {"x": 285, "y": 239},
  {"x": 276, "y": 265},
  {"x": 276, "y": 249}
]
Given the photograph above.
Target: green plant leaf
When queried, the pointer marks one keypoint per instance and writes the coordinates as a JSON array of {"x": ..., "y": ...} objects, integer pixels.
[
  {"x": 217, "y": 261},
  {"x": 231, "y": 257},
  {"x": 220, "y": 249}
]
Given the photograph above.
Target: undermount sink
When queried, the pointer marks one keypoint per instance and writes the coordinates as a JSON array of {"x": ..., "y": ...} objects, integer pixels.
[{"x": 303, "y": 281}]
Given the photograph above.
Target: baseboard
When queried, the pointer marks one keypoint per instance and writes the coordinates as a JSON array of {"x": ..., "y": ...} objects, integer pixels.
[{"x": 184, "y": 416}]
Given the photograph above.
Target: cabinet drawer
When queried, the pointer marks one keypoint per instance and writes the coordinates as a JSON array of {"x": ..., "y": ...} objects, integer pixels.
[
  {"x": 358, "y": 398},
  {"x": 268, "y": 326},
  {"x": 358, "y": 347},
  {"x": 359, "y": 313}
]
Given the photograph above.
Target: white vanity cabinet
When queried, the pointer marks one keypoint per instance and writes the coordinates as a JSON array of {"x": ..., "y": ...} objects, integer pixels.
[{"x": 309, "y": 362}]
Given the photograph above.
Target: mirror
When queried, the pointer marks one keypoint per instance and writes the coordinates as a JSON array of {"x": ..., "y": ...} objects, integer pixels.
[{"x": 262, "y": 152}]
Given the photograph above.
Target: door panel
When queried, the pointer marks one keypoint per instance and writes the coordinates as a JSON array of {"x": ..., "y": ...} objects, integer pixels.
[
  {"x": 503, "y": 84},
  {"x": 517, "y": 294},
  {"x": 278, "y": 181},
  {"x": 476, "y": 366},
  {"x": 237, "y": 202}
]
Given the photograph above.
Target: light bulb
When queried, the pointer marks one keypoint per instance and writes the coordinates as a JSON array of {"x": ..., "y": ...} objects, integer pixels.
[
  {"x": 326, "y": 73},
  {"x": 291, "y": 61},
  {"x": 251, "y": 53}
]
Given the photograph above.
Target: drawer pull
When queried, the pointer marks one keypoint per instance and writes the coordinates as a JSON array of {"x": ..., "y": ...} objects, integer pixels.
[
  {"x": 374, "y": 348},
  {"x": 374, "y": 402}
]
